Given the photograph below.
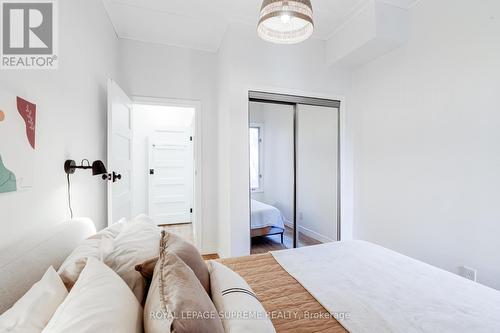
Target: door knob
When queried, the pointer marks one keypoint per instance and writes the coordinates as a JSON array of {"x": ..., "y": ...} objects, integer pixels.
[{"x": 116, "y": 176}]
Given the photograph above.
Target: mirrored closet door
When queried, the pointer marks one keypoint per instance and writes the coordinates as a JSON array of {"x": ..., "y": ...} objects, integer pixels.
[
  {"x": 317, "y": 174},
  {"x": 294, "y": 171},
  {"x": 271, "y": 137}
]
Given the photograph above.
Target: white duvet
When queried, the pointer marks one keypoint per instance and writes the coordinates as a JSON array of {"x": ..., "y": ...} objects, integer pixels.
[
  {"x": 264, "y": 215},
  {"x": 378, "y": 290}
]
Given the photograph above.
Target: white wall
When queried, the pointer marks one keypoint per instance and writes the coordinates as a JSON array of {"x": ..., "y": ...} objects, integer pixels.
[
  {"x": 169, "y": 72},
  {"x": 246, "y": 62},
  {"x": 147, "y": 120},
  {"x": 278, "y": 155},
  {"x": 71, "y": 123},
  {"x": 428, "y": 141}
]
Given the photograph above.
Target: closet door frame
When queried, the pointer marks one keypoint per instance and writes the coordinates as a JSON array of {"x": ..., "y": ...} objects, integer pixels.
[{"x": 294, "y": 100}]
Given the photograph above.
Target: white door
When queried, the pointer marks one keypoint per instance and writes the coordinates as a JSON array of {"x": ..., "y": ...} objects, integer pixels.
[
  {"x": 171, "y": 176},
  {"x": 119, "y": 154}
]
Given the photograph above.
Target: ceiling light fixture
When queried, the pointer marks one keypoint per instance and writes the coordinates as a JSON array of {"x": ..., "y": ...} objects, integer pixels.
[{"x": 286, "y": 21}]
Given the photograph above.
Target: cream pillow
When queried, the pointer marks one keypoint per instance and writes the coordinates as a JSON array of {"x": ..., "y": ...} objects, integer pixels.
[
  {"x": 232, "y": 295},
  {"x": 177, "y": 302},
  {"x": 138, "y": 241},
  {"x": 32, "y": 312},
  {"x": 98, "y": 246},
  {"x": 90, "y": 248},
  {"x": 99, "y": 302},
  {"x": 112, "y": 231}
]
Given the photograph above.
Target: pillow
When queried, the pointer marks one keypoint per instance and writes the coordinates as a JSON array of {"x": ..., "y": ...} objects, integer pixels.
[
  {"x": 138, "y": 241},
  {"x": 177, "y": 302},
  {"x": 97, "y": 246},
  {"x": 32, "y": 312},
  {"x": 99, "y": 302},
  {"x": 112, "y": 231},
  {"x": 231, "y": 294},
  {"x": 172, "y": 243},
  {"x": 73, "y": 265},
  {"x": 147, "y": 268}
]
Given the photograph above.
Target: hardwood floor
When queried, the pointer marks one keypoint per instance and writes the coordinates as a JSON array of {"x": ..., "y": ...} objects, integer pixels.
[
  {"x": 273, "y": 243},
  {"x": 266, "y": 244},
  {"x": 211, "y": 256},
  {"x": 185, "y": 231}
]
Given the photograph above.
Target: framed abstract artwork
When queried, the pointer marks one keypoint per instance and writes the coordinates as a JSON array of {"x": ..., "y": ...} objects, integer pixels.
[{"x": 17, "y": 143}]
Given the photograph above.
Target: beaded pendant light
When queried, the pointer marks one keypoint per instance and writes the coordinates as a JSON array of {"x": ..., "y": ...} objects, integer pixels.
[{"x": 286, "y": 21}]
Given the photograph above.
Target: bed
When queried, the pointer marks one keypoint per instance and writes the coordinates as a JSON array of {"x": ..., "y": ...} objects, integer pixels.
[
  {"x": 360, "y": 287},
  {"x": 281, "y": 294},
  {"x": 266, "y": 220},
  {"x": 349, "y": 286}
]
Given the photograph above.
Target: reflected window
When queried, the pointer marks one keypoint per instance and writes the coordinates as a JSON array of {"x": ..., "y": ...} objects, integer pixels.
[{"x": 256, "y": 157}]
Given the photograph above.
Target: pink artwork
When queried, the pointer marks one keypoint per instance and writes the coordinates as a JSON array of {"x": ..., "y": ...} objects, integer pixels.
[
  {"x": 17, "y": 143},
  {"x": 27, "y": 111}
]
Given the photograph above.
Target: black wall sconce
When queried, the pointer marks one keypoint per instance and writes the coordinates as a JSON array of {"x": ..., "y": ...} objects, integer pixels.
[{"x": 97, "y": 168}]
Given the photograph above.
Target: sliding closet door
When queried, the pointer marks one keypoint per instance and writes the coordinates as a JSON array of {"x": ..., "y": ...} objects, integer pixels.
[
  {"x": 271, "y": 138},
  {"x": 317, "y": 135}
]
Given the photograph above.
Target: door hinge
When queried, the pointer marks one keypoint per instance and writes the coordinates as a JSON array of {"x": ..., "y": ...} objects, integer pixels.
[
  {"x": 191, "y": 210},
  {"x": 151, "y": 171},
  {"x": 190, "y": 138}
]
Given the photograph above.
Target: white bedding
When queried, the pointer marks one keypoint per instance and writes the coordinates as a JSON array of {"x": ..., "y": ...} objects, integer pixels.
[
  {"x": 383, "y": 291},
  {"x": 264, "y": 215}
]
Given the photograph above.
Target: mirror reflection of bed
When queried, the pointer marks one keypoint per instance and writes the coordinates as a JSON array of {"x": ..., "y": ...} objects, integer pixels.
[
  {"x": 269, "y": 232},
  {"x": 293, "y": 174}
]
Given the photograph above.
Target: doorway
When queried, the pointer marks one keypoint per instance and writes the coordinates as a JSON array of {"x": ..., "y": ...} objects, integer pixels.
[
  {"x": 164, "y": 165},
  {"x": 294, "y": 145},
  {"x": 159, "y": 161}
]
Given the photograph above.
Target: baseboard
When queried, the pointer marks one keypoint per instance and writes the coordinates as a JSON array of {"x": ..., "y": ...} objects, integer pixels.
[
  {"x": 315, "y": 235},
  {"x": 310, "y": 233}
]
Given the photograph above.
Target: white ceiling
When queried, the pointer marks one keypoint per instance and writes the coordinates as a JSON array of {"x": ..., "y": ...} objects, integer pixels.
[{"x": 201, "y": 24}]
